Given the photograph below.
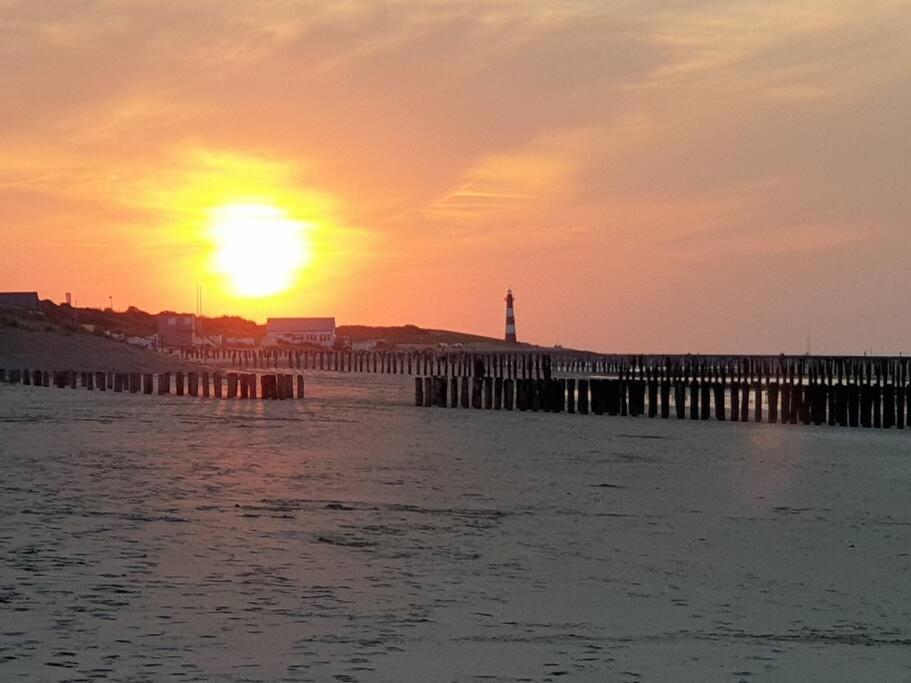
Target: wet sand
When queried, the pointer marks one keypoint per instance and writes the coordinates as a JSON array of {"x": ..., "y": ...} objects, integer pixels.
[{"x": 354, "y": 537}]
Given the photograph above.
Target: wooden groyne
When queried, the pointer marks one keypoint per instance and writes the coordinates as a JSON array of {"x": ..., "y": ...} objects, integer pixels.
[
  {"x": 537, "y": 364},
  {"x": 874, "y": 395},
  {"x": 230, "y": 385}
]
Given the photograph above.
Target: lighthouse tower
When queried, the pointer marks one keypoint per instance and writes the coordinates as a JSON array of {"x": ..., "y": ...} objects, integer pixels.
[{"x": 510, "y": 319}]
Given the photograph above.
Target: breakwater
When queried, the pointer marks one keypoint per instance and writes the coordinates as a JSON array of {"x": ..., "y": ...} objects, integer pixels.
[
  {"x": 273, "y": 386},
  {"x": 873, "y": 393}
]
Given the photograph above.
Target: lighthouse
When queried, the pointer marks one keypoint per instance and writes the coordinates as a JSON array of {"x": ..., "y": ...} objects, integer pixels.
[{"x": 510, "y": 319}]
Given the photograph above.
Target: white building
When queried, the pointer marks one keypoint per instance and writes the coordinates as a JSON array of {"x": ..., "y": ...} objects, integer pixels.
[{"x": 319, "y": 331}]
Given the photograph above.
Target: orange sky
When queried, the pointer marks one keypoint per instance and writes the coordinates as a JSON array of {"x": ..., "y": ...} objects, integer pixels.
[{"x": 664, "y": 176}]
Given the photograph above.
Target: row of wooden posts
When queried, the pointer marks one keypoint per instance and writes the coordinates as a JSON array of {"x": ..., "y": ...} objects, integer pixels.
[
  {"x": 545, "y": 365},
  {"x": 205, "y": 384},
  {"x": 789, "y": 402},
  {"x": 380, "y": 362}
]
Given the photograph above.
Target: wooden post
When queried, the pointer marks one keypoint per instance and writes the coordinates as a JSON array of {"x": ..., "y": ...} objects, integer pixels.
[
  {"x": 217, "y": 385},
  {"x": 453, "y": 390},
  {"x": 797, "y": 403},
  {"x": 193, "y": 383},
  {"x": 622, "y": 383},
  {"x": 232, "y": 384},
  {"x": 817, "y": 398},
  {"x": 854, "y": 405},
  {"x": 705, "y": 398},
  {"x": 118, "y": 382},
  {"x": 206, "y": 391},
  {"x": 570, "y": 395},
  {"x": 598, "y": 389},
  {"x": 477, "y": 386},
  {"x": 718, "y": 392},
  {"x": 267, "y": 387},
  {"x": 508, "y": 385},
  {"x": 757, "y": 405},
  {"x": 300, "y": 386},
  {"x": 100, "y": 381},
  {"x": 441, "y": 388},
  {"x": 419, "y": 392},
  {"x": 535, "y": 394},
  {"x": 428, "y": 392},
  {"x": 243, "y": 381},
  {"x": 786, "y": 402},
  {"x": 694, "y": 399},
  {"x": 745, "y": 402},
  {"x": 148, "y": 383},
  {"x": 900, "y": 406},
  {"x": 521, "y": 395},
  {"x": 498, "y": 393},
  {"x": 773, "y": 402},
  {"x": 866, "y": 406},
  {"x": 488, "y": 393},
  {"x": 583, "y": 396}
]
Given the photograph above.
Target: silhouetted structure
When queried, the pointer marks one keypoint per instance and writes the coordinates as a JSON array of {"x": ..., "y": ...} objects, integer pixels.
[
  {"x": 19, "y": 301},
  {"x": 319, "y": 331},
  {"x": 178, "y": 331},
  {"x": 510, "y": 319}
]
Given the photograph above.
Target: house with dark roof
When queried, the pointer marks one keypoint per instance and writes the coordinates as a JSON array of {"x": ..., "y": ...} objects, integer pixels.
[{"x": 19, "y": 301}]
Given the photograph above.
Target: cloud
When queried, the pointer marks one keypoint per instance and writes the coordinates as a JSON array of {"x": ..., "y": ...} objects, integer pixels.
[{"x": 659, "y": 133}]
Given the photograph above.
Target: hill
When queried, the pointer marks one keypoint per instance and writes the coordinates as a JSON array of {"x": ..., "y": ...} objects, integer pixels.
[
  {"x": 136, "y": 322},
  {"x": 47, "y": 347},
  {"x": 410, "y": 335}
]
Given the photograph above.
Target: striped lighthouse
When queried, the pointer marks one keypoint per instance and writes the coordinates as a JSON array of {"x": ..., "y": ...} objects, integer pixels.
[{"x": 510, "y": 319}]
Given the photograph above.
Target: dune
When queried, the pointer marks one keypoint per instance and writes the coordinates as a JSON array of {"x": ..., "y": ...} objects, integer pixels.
[{"x": 53, "y": 349}]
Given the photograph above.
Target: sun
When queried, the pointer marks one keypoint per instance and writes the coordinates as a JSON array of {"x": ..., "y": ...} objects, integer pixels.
[{"x": 258, "y": 248}]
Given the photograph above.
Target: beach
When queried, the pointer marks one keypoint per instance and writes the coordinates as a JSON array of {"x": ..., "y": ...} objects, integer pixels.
[{"x": 354, "y": 537}]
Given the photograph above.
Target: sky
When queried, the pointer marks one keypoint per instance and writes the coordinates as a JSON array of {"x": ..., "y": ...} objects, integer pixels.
[{"x": 663, "y": 176}]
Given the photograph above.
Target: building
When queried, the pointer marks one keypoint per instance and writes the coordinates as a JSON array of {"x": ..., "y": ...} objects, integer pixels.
[
  {"x": 510, "y": 318},
  {"x": 19, "y": 301},
  {"x": 365, "y": 344},
  {"x": 319, "y": 331},
  {"x": 239, "y": 341},
  {"x": 175, "y": 330}
]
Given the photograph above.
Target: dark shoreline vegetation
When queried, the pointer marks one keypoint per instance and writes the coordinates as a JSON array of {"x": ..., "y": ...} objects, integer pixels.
[{"x": 134, "y": 322}]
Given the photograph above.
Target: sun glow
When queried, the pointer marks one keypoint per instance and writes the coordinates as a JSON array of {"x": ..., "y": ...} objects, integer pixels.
[{"x": 259, "y": 248}]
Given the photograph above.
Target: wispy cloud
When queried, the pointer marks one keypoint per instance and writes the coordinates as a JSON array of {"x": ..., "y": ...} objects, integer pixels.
[{"x": 656, "y": 133}]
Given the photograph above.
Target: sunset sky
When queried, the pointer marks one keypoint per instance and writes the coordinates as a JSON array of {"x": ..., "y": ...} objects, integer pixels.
[{"x": 671, "y": 175}]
